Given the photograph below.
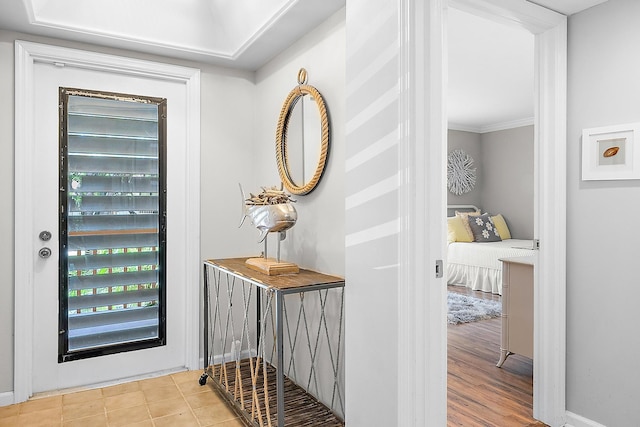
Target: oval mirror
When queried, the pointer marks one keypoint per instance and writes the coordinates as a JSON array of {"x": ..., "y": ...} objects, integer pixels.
[{"x": 302, "y": 138}]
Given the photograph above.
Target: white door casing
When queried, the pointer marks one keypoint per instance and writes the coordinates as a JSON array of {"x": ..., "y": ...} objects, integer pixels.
[
  {"x": 422, "y": 362},
  {"x": 40, "y": 70}
]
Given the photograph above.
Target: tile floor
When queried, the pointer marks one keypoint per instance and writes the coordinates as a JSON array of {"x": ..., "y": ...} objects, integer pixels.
[{"x": 173, "y": 400}]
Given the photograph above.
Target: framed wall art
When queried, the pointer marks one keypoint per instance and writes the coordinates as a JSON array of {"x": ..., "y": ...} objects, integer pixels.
[
  {"x": 461, "y": 175},
  {"x": 611, "y": 152}
]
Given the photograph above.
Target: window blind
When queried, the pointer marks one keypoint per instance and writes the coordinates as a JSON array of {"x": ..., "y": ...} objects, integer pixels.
[{"x": 112, "y": 213}]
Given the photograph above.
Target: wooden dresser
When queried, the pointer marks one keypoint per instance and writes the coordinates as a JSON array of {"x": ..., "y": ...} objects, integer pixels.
[{"x": 517, "y": 307}]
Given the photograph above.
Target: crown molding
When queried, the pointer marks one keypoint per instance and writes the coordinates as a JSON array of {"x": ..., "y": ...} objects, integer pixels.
[
  {"x": 507, "y": 125},
  {"x": 463, "y": 128},
  {"x": 512, "y": 124}
]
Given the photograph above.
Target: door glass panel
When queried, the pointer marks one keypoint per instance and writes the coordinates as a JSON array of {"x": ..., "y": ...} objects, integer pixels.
[{"x": 112, "y": 223}]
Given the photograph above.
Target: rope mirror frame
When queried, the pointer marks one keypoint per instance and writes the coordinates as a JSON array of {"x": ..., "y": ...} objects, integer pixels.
[{"x": 281, "y": 136}]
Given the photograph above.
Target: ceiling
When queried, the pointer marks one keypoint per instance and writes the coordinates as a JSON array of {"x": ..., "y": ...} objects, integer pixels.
[
  {"x": 490, "y": 74},
  {"x": 567, "y": 7},
  {"x": 491, "y": 70},
  {"x": 491, "y": 81},
  {"x": 241, "y": 34}
]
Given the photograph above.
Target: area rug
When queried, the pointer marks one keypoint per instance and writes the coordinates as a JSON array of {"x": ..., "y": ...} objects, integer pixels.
[{"x": 465, "y": 309}]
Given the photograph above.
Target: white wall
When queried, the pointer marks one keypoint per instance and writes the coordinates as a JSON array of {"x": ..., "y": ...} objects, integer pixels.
[
  {"x": 227, "y": 138},
  {"x": 6, "y": 215},
  {"x": 603, "y": 348},
  {"x": 371, "y": 188},
  {"x": 227, "y": 141},
  {"x": 317, "y": 239}
]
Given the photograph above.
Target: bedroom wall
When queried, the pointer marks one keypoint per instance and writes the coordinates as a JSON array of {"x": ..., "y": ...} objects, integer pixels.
[
  {"x": 469, "y": 142},
  {"x": 507, "y": 178},
  {"x": 226, "y": 145},
  {"x": 602, "y": 345},
  {"x": 504, "y": 175}
]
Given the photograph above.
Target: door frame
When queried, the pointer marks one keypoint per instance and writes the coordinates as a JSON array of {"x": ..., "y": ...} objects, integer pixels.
[
  {"x": 422, "y": 395},
  {"x": 27, "y": 54}
]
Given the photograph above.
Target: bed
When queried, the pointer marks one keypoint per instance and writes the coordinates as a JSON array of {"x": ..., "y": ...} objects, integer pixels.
[{"x": 476, "y": 265}]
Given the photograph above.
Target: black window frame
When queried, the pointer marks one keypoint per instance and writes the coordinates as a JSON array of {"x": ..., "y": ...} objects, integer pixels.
[{"x": 64, "y": 355}]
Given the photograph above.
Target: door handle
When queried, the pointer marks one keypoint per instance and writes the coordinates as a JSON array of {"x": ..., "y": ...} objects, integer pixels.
[{"x": 44, "y": 252}]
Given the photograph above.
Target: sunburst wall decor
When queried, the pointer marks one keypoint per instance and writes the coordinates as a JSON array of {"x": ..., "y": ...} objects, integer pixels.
[{"x": 461, "y": 175}]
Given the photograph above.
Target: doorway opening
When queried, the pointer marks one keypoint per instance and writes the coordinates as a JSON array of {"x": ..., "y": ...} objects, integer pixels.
[
  {"x": 490, "y": 100},
  {"x": 550, "y": 74}
]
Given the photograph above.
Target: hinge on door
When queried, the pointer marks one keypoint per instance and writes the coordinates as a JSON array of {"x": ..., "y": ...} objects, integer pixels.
[
  {"x": 439, "y": 268},
  {"x": 536, "y": 244}
]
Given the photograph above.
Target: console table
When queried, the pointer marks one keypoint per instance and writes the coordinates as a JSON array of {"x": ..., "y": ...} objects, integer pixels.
[
  {"x": 517, "y": 307},
  {"x": 266, "y": 338}
]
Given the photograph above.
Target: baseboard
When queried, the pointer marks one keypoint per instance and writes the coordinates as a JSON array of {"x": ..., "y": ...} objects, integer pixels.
[
  {"x": 218, "y": 358},
  {"x": 6, "y": 398},
  {"x": 575, "y": 420},
  {"x": 93, "y": 386}
]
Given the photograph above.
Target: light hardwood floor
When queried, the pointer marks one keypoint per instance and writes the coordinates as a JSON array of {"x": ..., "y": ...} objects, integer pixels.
[{"x": 479, "y": 393}]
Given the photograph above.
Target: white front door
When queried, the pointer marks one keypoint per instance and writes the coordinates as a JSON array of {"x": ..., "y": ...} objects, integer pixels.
[{"x": 47, "y": 372}]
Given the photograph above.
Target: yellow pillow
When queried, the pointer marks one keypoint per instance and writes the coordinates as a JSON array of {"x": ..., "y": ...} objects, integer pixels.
[
  {"x": 501, "y": 225},
  {"x": 465, "y": 222},
  {"x": 456, "y": 231}
]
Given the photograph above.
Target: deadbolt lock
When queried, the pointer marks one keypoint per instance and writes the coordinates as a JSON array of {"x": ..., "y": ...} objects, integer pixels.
[
  {"x": 45, "y": 235},
  {"x": 44, "y": 252}
]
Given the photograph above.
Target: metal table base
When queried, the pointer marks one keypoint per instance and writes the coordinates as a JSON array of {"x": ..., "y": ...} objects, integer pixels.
[{"x": 244, "y": 343}]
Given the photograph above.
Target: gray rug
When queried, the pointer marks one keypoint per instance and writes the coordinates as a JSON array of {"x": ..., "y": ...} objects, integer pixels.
[{"x": 465, "y": 309}]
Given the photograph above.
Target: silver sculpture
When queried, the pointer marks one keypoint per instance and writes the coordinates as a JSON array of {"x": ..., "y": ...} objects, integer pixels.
[{"x": 270, "y": 212}]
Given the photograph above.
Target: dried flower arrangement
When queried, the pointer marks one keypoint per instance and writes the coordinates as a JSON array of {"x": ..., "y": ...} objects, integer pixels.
[{"x": 269, "y": 196}]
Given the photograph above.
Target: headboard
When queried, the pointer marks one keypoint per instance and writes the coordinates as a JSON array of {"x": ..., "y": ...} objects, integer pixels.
[{"x": 451, "y": 209}]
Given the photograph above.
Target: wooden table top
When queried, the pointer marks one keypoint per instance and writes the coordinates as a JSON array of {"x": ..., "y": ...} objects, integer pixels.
[{"x": 304, "y": 278}]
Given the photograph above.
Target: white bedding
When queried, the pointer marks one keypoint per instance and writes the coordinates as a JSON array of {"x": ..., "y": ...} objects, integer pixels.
[{"x": 477, "y": 265}]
